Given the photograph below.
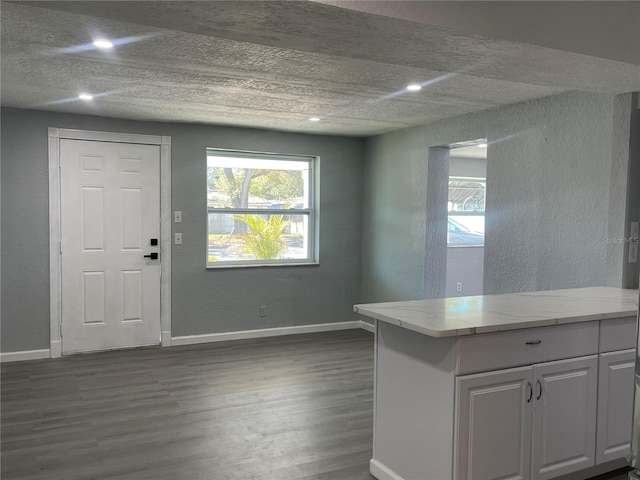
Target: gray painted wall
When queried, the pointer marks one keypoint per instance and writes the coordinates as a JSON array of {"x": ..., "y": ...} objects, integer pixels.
[
  {"x": 549, "y": 182},
  {"x": 203, "y": 301},
  {"x": 464, "y": 265},
  {"x": 467, "y": 167}
]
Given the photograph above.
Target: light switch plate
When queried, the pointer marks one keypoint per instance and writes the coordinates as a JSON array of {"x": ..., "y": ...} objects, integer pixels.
[
  {"x": 633, "y": 252},
  {"x": 633, "y": 232},
  {"x": 177, "y": 216},
  {"x": 177, "y": 238}
]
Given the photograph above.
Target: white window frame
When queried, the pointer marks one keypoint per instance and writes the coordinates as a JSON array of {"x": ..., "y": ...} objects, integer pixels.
[{"x": 311, "y": 212}]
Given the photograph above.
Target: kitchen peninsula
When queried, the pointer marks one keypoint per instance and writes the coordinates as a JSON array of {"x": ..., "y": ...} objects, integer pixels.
[{"x": 530, "y": 385}]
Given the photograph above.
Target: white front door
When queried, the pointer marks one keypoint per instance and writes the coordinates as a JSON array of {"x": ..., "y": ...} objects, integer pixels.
[{"x": 110, "y": 219}]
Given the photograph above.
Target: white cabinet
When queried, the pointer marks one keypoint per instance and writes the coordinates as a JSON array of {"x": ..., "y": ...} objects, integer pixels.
[
  {"x": 564, "y": 417},
  {"x": 615, "y": 405},
  {"x": 535, "y": 422},
  {"x": 528, "y": 404},
  {"x": 493, "y": 425}
]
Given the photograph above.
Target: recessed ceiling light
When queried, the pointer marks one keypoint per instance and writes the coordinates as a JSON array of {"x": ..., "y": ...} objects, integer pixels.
[
  {"x": 482, "y": 145},
  {"x": 85, "y": 96},
  {"x": 103, "y": 43},
  {"x": 314, "y": 119},
  {"x": 414, "y": 87}
]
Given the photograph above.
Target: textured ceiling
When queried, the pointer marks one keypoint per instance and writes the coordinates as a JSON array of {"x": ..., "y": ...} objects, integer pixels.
[{"x": 275, "y": 64}]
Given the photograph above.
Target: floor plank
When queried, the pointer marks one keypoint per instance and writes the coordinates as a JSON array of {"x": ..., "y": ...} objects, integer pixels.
[
  {"x": 296, "y": 407},
  {"x": 283, "y": 408}
]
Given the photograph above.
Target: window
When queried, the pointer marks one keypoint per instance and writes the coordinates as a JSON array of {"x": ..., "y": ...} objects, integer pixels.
[
  {"x": 466, "y": 211},
  {"x": 261, "y": 209}
]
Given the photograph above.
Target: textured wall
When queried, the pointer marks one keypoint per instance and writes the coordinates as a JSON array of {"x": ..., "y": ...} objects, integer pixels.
[
  {"x": 549, "y": 180},
  {"x": 203, "y": 301}
]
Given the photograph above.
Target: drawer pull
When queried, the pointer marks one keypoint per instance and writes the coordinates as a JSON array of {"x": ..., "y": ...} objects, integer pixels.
[
  {"x": 533, "y": 342},
  {"x": 530, "y": 388}
]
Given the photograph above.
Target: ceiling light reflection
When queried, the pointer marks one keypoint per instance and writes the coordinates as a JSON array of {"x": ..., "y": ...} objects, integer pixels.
[
  {"x": 92, "y": 46},
  {"x": 106, "y": 44}
]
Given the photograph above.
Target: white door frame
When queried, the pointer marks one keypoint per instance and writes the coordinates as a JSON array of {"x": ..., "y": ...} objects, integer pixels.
[{"x": 55, "y": 262}]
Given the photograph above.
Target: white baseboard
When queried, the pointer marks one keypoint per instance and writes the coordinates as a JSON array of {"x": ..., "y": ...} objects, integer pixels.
[
  {"x": 369, "y": 327},
  {"x": 381, "y": 472},
  {"x": 265, "y": 332},
  {"x": 24, "y": 355},
  {"x": 168, "y": 340}
]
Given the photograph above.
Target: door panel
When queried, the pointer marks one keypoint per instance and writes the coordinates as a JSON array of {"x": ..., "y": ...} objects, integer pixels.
[
  {"x": 615, "y": 405},
  {"x": 564, "y": 417},
  {"x": 493, "y": 425},
  {"x": 110, "y": 209}
]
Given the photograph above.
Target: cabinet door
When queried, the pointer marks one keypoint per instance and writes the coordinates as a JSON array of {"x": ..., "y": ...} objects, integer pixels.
[
  {"x": 615, "y": 405},
  {"x": 493, "y": 425},
  {"x": 564, "y": 416}
]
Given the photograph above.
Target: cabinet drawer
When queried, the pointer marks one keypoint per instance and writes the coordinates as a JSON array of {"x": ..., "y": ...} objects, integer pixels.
[
  {"x": 491, "y": 351},
  {"x": 617, "y": 334}
]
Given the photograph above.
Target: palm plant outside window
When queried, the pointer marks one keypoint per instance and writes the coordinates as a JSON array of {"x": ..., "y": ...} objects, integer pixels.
[{"x": 261, "y": 209}]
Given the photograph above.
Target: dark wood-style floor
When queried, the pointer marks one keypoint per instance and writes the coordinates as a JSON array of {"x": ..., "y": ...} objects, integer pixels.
[
  {"x": 285, "y": 408},
  {"x": 296, "y": 407}
]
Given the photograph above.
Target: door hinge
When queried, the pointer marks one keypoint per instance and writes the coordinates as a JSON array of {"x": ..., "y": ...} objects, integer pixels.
[{"x": 60, "y": 327}]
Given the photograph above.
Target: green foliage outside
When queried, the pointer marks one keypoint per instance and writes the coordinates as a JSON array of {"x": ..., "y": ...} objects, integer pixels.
[
  {"x": 239, "y": 183},
  {"x": 263, "y": 240}
]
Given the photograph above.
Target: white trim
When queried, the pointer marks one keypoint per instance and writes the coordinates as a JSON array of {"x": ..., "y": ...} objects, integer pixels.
[
  {"x": 24, "y": 355},
  {"x": 56, "y": 348},
  {"x": 71, "y": 134},
  {"x": 381, "y": 472},
  {"x": 165, "y": 240},
  {"x": 167, "y": 340},
  {"x": 55, "y": 266},
  {"x": 265, "y": 332},
  {"x": 369, "y": 327},
  {"x": 376, "y": 338}
]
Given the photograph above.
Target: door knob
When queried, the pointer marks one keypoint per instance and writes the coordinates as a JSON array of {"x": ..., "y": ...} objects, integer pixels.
[{"x": 152, "y": 256}]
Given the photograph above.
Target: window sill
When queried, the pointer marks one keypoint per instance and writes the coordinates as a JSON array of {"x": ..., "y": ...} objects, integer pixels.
[{"x": 263, "y": 265}]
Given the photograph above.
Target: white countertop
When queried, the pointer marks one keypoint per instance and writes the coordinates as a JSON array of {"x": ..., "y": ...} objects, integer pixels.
[{"x": 448, "y": 317}]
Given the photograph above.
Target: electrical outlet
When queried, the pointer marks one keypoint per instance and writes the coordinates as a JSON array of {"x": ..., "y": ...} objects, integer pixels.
[
  {"x": 262, "y": 311},
  {"x": 633, "y": 252},
  {"x": 177, "y": 238},
  {"x": 459, "y": 287},
  {"x": 177, "y": 216}
]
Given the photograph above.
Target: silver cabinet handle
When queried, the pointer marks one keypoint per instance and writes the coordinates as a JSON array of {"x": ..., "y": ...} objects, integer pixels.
[
  {"x": 539, "y": 385},
  {"x": 530, "y": 388},
  {"x": 533, "y": 342}
]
